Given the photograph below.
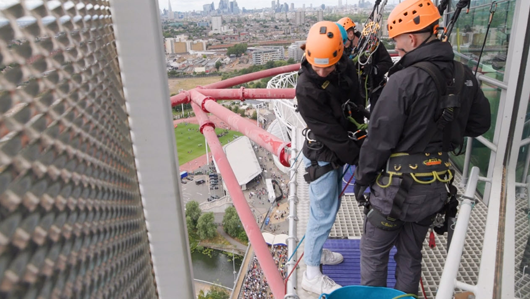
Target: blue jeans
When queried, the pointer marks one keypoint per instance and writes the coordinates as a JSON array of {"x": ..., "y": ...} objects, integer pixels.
[{"x": 324, "y": 205}]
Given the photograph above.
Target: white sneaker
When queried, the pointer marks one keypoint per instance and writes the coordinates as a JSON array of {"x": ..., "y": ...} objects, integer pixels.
[
  {"x": 320, "y": 284},
  {"x": 330, "y": 258}
]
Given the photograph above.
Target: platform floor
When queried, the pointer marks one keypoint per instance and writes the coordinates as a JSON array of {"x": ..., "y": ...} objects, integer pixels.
[{"x": 349, "y": 225}]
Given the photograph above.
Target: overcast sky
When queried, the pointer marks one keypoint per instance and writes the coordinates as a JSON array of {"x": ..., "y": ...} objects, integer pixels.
[{"x": 188, "y": 5}]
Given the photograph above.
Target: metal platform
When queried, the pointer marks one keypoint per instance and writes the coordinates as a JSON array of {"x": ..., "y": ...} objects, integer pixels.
[{"x": 349, "y": 224}]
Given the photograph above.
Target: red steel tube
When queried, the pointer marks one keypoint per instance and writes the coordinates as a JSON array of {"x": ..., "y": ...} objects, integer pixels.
[
  {"x": 243, "y": 209},
  {"x": 182, "y": 98},
  {"x": 249, "y": 93},
  {"x": 268, "y": 141}
]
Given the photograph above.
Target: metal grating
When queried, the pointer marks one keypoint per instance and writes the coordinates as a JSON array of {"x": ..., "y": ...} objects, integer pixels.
[
  {"x": 71, "y": 217},
  {"x": 522, "y": 231},
  {"x": 349, "y": 224}
]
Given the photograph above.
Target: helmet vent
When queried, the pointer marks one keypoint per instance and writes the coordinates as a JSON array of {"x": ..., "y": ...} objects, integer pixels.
[
  {"x": 414, "y": 12},
  {"x": 308, "y": 53},
  {"x": 420, "y": 5},
  {"x": 335, "y": 54},
  {"x": 330, "y": 34},
  {"x": 417, "y": 20},
  {"x": 394, "y": 22},
  {"x": 405, "y": 14},
  {"x": 400, "y": 20},
  {"x": 428, "y": 4},
  {"x": 323, "y": 30}
]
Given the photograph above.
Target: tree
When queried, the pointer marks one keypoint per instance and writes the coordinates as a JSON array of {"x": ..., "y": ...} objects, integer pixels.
[
  {"x": 205, "y": 226},
  {"x": 254, "y": 115},
  {"x": 231, "y": 222},
  {"x": 243, "y": 113},
  {"x": 291, "y": 61},
  {"x": 218, "y": 64},
  {"x": 236, "y": 109},
  {"x": 214, "y": 293},
  {"x": 194, "y": 212}
]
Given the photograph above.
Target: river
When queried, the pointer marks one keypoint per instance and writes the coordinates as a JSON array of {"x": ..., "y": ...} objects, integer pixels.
[{"x": 216, "y": 269}]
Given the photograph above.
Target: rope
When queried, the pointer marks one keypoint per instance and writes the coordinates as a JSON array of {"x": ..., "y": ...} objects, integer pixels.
[
  {"x": 294, "y": 252},
  {"x": 493, "y": 8},
  {"x": 358, "y": 125},
  {"x": 422, "y": 289},
  {"x": 406, "y": 296},
  {"x": 294, "y": 268}
]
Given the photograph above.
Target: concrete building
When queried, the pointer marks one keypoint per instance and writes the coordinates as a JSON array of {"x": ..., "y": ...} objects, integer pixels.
[
  {"x": 320, "y": 15},
  {"x": 263, "y": 55},
  {"x": 299, "y": 18},
  {"x": 294, "y": 50},
  {"x": 181, "y": 45},
  {"x": 217, "y": 23},
  {"x": 292, "y": 6}
]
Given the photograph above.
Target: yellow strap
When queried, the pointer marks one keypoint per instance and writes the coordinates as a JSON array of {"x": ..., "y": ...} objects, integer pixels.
[
  {"x": 446, "y": 180},
  {"x": 389, "y": 180}
]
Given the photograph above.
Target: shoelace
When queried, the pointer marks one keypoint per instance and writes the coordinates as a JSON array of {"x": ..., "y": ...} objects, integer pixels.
[{"x": 327, "y": 282}]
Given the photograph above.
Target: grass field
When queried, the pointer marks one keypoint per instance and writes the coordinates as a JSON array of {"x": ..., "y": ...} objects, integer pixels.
[
  {"x": 189, "y": 83},
  {"x": 190, "y": 142}
]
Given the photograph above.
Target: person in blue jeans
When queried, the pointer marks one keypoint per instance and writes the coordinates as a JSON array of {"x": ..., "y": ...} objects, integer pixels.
[{"x": 327, "y": 93}]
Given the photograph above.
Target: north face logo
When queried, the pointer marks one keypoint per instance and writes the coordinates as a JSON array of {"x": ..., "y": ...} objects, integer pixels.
[{"x": 469, "y": 83}]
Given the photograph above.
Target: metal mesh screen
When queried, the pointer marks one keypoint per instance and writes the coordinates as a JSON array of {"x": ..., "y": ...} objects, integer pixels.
[{"x": 71, "y": 218}]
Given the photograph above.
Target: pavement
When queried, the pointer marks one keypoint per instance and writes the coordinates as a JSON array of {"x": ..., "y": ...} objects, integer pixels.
[{"x": 232, "y": 241}]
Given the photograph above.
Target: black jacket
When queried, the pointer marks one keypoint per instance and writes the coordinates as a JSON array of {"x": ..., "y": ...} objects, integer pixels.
[
  {"x": 381, "y": 64},
  {"x": 408, "y": 109},
  {"x": 322, "y": 110}
]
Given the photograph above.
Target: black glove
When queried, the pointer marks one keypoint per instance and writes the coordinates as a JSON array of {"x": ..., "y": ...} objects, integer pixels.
[{"x": 358, "y": 190}]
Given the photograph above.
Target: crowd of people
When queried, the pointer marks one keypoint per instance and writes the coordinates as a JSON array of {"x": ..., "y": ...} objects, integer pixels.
[{"x": 255, "y": 285}]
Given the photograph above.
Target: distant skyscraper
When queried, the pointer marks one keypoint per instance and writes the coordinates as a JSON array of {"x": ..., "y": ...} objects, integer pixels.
[
  {"x": 320, "y": 15},
  {"x": 169, "y": 11},
  {"x": 340, "y": 3},
  {"x": 292, "y": 6},
  {"x": 273, "y": 4},
  {"x": 277, "y": 4},
  {"x": 303, "y": 6}
]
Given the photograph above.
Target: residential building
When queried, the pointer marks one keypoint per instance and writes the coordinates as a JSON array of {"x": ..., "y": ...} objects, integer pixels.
[
  {"x": 217, "y": 23},
  {"x": 263, "y": 55},
  {"x": 320, "y": 15},
  {"x": 299, "y": 18},
  {"x": 294, "y": 50}
]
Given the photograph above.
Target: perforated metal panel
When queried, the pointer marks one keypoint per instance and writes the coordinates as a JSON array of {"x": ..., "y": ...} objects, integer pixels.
[{"x": 71, "y": 218}]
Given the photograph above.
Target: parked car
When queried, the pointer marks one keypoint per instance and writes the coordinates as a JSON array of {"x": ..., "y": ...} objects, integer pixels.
[
  {"x": 189, "y": 179},
  {"x": 201, "y": 181},
  {"x": 183, "y": 181},
  {"x": 215, "y": 196}
]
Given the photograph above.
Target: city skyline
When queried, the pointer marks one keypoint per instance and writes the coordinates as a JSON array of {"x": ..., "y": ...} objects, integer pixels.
[{"x": 197, "y": 5}]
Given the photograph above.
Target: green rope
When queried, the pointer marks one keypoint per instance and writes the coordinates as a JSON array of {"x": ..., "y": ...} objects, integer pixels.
[
  {"x": 405, "y": 296},
  {"x": 359, "y": 126},
  {"x": 366, "y": 91}
]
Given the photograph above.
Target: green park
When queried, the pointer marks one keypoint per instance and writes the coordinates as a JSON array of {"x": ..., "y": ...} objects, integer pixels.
[{"x": 190, "y": 141}]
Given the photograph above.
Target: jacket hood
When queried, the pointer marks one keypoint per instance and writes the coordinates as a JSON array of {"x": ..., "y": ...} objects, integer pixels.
[{"x": 435, "y": 51}]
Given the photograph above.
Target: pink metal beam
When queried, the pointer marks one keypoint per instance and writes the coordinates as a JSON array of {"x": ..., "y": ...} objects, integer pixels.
[
  {"x": 249, "y": 93},
  {"x": 243, "y": 209},
  {"x": 268, "y": 141},
  {"x": 182, "y": 98}
]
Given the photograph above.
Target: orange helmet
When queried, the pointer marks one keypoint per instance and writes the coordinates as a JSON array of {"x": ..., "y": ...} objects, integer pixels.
[
  {"x": 412, "y": 16},
  {"x": 324, "y": 44},
  {"x": 347, "y": 23}
]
